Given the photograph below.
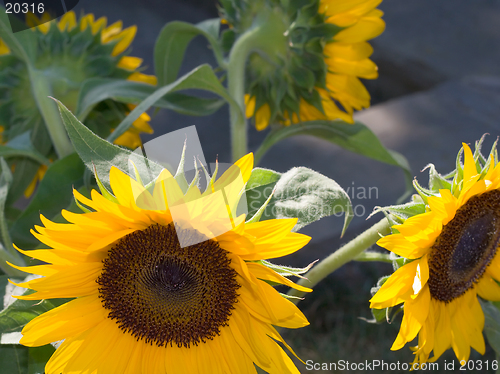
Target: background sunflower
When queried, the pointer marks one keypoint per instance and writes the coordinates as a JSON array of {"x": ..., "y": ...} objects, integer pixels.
[
  {"x": 69, "y": 52},
  {"x": 312, "y": 71}
]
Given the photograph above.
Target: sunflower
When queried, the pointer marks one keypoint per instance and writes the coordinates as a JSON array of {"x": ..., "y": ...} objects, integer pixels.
[
  {"x": 147, "y": 303},
  {"x": 452, "y": 252},
  {"x": 316, "y": 74},
  {"x": 70, "y": 52}
]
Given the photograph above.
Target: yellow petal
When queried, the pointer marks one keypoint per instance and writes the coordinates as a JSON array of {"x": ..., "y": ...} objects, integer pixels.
[
  {"x": 415, "y": 314},
  {"x": 396, "y": 289},
  {"x": 4, "y": 50},
  {"x": 443, "y": 328},
  {"x": 245, "y": 164},
  {"x": 125, "y": 38},
  {"x": 349, "y": 51},
  {"x": 129, "y": 63},
  {"x": 269, "y": 306},
  {"x": 460, "y": 342},
  {"x": 109, "y": 32},
  {"x": 249, "y": 105},
  {"x": 398, "y": 244},
  {"x": 488, "y": 289},
  {"x": 143, "y": 78},
  {"x": 67, "y": 22},
  {"x": 367, "y": 28},
  {"x": 469, "y": 164},
  {"x": 67, "y": 320},
  {"x": 362, "y": 68},
  {"x": 262, "y": 117}
]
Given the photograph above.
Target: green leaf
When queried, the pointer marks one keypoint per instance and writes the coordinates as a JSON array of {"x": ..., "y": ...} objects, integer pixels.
[
  {"x": 261, "y": 177},
  {"x": 100, "y": 155},
  {"x": 38, "y": 357},
  {"x": 14, "y": 359},
  {"x": 356, "y": 138},
  {"x": 172, "y": 42},
  {"x": 17, "y": 359},
  {"x": 309, "y": 196},
  {"x": 492, "y": 323},
  {"x": 53, "y": 194},
  {"x": 258, "y": 190},
  {"x": 201, "y": 78},
  {"x": 96, "y": 90}
]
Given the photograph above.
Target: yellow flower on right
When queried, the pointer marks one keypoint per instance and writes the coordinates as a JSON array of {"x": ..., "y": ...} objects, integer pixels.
[{"x": 452, "y": 250}]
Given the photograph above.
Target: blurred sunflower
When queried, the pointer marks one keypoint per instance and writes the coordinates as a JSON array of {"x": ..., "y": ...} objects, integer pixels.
[
  {"x": 145, "y": 304},
  {"x": 453, "y": 249},
  {"x": 69, "y": 52},
  {"x": 312, "y": 70}
]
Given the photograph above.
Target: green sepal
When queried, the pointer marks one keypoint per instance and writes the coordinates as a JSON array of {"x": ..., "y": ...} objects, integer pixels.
[
  {"x": 104, "y": 191},
  {"x": 288, "y": 271},
  {"x": 290, "y": 297},
  {"x": 258, "y": 214},
  {"x": 196, "y": 178},
  {"x": 436, "y": 180},
  {"x": 179, "y": 176},
  {"x": 401, "y": 212},
  {"x": 383, "y": 315}
]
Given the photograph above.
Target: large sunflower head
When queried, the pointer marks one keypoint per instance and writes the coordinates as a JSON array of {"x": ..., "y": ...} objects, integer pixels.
[
  {"x": 312, "y": 67},
  {"x": 159, "y": 287},
  {"x": 69, "y": 52},
  {"x": 452, "y": 257}
]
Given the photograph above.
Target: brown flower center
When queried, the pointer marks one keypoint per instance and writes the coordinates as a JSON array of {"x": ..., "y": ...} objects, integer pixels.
[
  {"x": 165, "y": 294},
  {"x": 465, "y": 247}
]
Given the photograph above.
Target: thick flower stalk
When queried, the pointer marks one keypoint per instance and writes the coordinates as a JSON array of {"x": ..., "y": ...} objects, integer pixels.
[
  {"x": 452, "y": 257},
  {"x": 164, "y": 282}
]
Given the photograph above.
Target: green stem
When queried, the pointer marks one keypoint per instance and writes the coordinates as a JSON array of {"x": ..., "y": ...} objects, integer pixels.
[
  {"x": 343, "y": 255},
  {"x": 41, "y": 91},
  {"x": 264, "y": 35},
  {"x": 236, "y": 87}
]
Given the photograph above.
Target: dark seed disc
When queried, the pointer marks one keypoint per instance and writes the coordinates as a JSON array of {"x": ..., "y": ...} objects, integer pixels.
[
  {"x": 165, "y": 294},
  {"x": 465, "y": 247}
]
